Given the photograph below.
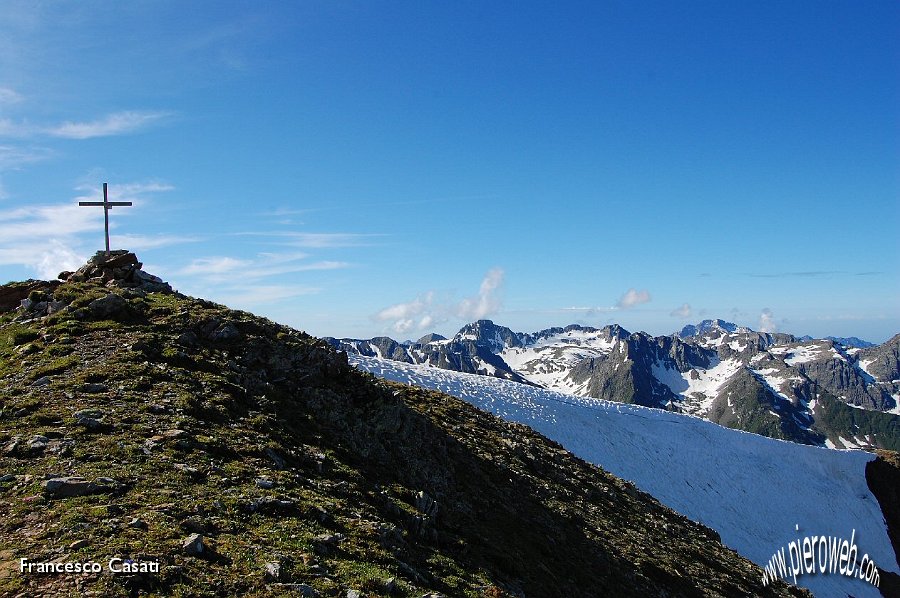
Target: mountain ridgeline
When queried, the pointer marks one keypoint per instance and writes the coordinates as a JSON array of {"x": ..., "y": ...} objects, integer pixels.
[
  {"x": 839, "y": 393},
  {"x": 241, "y": 457}
]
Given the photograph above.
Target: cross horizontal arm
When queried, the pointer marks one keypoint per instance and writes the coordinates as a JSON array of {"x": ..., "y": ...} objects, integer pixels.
[{"x": 101, "y": 203}]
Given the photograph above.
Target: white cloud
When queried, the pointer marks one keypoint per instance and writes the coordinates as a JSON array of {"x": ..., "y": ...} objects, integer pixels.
[
  {"x": 215, "y": 265},
  {"x": 322, "y": 240},
  {"x": 631, "y": 298},
  {"x": 767, "y": 321},
  {"x": 226, "y": 269},
  {"x": 9, "y": 96},
  {"x": 315, "y": 240},
  {"x": 48, "y": 238},
  {"x": 404, "y": 325},
  {"x": 487, "y": 301},
  {"x": 406, "y": 311},
  {"x": 56, "y": 258},
  {"x": 47, "y": 259},
  {"x": 684, "y": 311},
  {"x": 8, "y": 128},
  {"x": 250, "y": 296},
  {"x": 133, "y": 192},
  {"x": 12, "y": 158},
  {"x": 118, "y": 123},
  {"x": 425, "y": 311},
  {"x": 55, "y": 221},
  {"x": 139, "y": 242}
]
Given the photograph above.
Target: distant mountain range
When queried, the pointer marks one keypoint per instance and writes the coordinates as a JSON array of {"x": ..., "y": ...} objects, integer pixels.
[{"x": 833, "y": 392}]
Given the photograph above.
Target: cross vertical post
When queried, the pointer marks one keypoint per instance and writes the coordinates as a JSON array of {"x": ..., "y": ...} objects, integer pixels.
[
  {"x": 107, "y": 206},
  {"x": 106, "y": 217}
]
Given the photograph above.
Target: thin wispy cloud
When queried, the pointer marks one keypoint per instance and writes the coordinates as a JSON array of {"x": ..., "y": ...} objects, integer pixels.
[
  {"x": 119, "y": 123},
  {"x": 218, "y": 269},
  {"x": 141, "y": 242},
  {"x": 590, "y": 310},
  {"x": 17, "y": 129},
  {"x": 632, "y": 298},
  {"x": 248, "y": 297},
  {"x": 251, "y": 283},
  {"x": 814, "y": 274},
  {"x": 804, "y": 274},
  {"x": 328, "y": 240},
  {"x": 60, "y": 220},
  {"x": 133, "y": 192},
  {"x": 316, "y": 240},
  {"x": 13, "y": 158},
  {"x": 282, "y": 212}
]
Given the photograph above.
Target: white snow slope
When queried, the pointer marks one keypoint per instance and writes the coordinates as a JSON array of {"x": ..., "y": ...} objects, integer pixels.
[{"x": 753, "y": 490}]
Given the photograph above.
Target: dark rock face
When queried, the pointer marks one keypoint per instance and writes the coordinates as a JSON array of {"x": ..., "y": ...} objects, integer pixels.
[
  {"x": 883, "y": 479},
  {"x": 12, "y": 295},
  {"x": 883, "y": 361},
  {"x": 471, "y": 351},
  {"x": 841, "y": 378},
  {"x": 848, "y": 341}
]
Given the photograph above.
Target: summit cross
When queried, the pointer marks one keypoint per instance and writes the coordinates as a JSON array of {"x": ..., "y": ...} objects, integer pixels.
[{"x": 107, "y": 206}]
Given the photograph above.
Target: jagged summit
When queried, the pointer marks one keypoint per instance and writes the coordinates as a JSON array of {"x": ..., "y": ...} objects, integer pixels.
[
  {"x": 247, "y": 458},
  {"x": 707, "y": 326},
  {"x": 430, "y": 338}
]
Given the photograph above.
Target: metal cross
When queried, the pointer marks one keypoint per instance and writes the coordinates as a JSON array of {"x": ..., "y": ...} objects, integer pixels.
[{"x": 107, "y": 206}]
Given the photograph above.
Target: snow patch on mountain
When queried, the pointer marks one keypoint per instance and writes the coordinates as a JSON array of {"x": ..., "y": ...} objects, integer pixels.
[
  {"x": 698, "y": 387},
  {"x": 753, "y": 490},
  {"x": 803, "y": 354},
  {"x": 862, "y": 366},
  {"x": 780, "y": 385},
  {"x": 548, "y": 360}
]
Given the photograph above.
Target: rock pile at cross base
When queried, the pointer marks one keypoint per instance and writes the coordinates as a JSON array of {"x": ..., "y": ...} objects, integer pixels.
[
  {"x": 120, "y": 269},
  {"x": 248, "y": 458}
]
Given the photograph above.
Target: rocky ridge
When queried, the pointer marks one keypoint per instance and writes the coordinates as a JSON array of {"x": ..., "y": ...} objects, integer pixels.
[{"x": 245, "y": 457}]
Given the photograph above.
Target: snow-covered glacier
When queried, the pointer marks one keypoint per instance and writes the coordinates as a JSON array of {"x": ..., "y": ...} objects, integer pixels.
[{"x": 757, "y": 492}]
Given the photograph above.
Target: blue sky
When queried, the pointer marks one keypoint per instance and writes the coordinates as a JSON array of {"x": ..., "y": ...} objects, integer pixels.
[{"x": 365, "y": 168}]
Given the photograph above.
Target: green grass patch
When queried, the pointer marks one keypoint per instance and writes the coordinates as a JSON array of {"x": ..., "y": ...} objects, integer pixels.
[
  {"x": 56, "y": 366},
  {"x": 17, "y": 334}
]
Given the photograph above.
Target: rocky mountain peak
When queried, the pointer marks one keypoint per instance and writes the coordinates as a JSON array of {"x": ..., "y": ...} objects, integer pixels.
[
  {"x": 430, "y": 338},
  {"x": 708, "y": 326},
  {"x": 485, "y": 332}
]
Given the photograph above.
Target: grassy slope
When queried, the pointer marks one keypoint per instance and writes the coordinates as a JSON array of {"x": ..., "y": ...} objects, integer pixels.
[{"x": 380, "y": 482}]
